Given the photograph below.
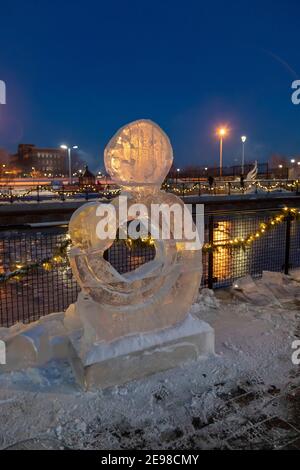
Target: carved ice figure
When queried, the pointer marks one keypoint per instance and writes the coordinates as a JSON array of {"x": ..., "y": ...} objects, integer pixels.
[
  {"x": 251, "y": 176},
  {"x": 157, "y": 294}
]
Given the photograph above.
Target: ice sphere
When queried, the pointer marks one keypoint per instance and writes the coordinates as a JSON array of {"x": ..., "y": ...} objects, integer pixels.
[{"x": 139, "y": 153}]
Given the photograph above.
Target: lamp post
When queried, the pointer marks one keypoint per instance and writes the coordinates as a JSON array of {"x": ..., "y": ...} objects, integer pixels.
[
  {"x": 65, "y": 147},
  {"x": 221, "y": 133},
  {"x": 177, "y": 174},
  {"x": 243, "y": 139}
]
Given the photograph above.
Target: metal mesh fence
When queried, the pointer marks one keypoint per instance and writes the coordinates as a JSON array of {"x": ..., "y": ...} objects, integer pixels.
[
  {"x": 294, "y": 260},
  {"x": 42, "y": 292},
  {"x": 266, "y": 253},
  {"x": 39, "y": 292}
]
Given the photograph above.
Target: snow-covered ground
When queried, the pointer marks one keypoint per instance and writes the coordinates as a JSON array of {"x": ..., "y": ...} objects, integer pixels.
[{"x": 246, "y": 396}]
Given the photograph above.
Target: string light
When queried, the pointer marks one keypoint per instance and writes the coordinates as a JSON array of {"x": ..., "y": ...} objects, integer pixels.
[
  {"x": 234, "y": 187},
  {"x": 60, "y": 255},
  {"x": 244, "y": 242},
  {"x": 40, "y": 189}
]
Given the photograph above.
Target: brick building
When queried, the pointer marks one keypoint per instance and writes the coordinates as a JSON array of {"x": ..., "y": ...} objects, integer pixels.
[{"x": 46, "y": 161}]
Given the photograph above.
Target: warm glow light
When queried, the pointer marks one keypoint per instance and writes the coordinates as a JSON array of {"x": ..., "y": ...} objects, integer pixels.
[
  {"x": 279, "y": 166},
  {"x": 222, "y": 131}
]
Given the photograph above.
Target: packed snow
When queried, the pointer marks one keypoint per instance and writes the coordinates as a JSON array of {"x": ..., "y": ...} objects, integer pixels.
[{"x": 234, "y": 399}]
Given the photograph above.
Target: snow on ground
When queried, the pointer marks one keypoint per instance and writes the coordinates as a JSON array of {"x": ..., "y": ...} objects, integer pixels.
[{"x": 246, "y": 396}]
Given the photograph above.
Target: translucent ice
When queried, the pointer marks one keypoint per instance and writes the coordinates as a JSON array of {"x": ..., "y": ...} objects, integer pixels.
[{"x": 157, "y": 294}]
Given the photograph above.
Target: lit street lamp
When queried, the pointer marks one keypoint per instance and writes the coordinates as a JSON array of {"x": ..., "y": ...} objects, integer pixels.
[
  {"x": 243, "y": 139},
  {"x": 65, "y": 147},
  {"x": 222, "y": 131},
  {"x": 3, "y": 169}
]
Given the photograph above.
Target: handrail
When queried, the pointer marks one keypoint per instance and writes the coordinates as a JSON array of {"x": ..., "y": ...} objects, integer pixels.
[{"x": 218, "y": 213}]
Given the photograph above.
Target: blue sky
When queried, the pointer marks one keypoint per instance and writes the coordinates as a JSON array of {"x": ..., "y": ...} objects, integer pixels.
[{"x": 76, "y": 71}]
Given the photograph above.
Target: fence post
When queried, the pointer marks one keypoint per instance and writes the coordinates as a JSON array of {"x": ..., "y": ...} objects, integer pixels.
[
  {"x": 287, "y": 244},
  {"x": 210, "y": 253}
]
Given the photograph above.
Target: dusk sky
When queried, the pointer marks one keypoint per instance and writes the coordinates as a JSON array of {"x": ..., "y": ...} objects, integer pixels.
[{"x": 77, "y": 71}]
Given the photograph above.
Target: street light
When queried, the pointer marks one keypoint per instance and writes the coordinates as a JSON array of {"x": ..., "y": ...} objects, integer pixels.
[
  {"x": 221, "y": 132},
  {"x": 177, "y": 173},
  {"x": 32, "y": 173},
  {"x": 243, "y": 139},
  {"x": 292, "y": 160},
  {"x": 65, "y": 147}
]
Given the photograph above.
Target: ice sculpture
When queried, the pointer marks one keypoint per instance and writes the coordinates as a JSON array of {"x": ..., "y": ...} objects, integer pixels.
[
  {"x": 125, "y": 326},
  {"x": 159, "y": 293},
  {"x": 252, "y": 175}
]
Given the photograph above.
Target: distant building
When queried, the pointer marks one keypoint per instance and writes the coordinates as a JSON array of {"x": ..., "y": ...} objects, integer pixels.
[
  {"x": 46, "y": 161},
  {"x": 87, "y": 178}
]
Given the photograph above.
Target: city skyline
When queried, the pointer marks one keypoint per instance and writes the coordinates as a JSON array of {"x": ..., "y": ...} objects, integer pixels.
[{"x": 187, "y": 69}]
